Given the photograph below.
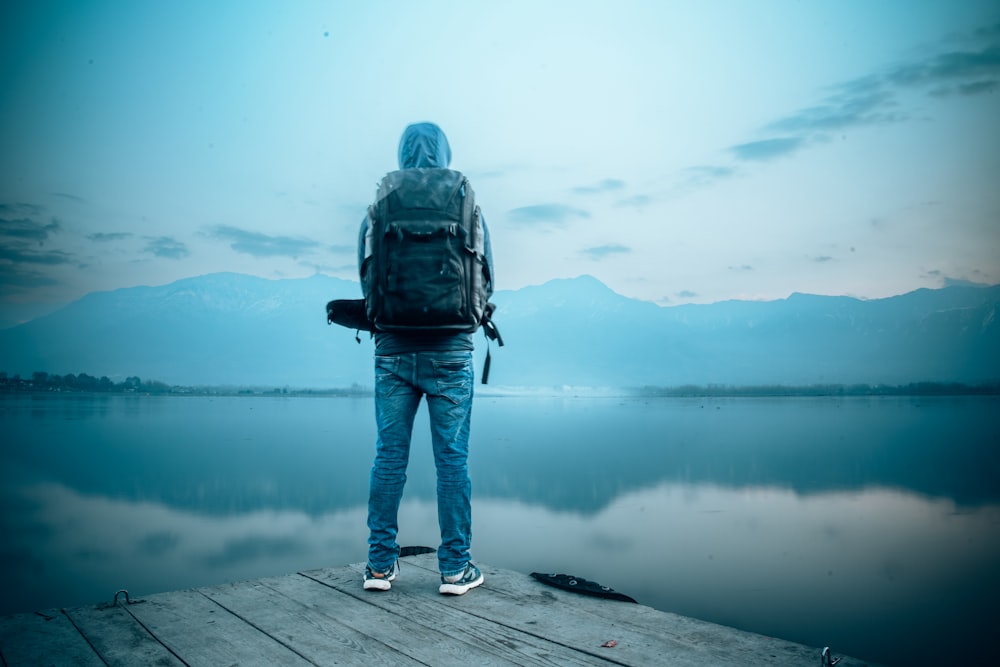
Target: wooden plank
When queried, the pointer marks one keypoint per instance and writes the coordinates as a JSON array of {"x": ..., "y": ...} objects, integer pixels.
[
  {"x": 415, "y": 595},
  {"x": 44, "y": 639},
  {"x": 707, "y": 643},
  {"x": 118, "y": 638},
  {"x": 644, "y": 635},
  {"x": 578, "y": 635},
  {"x": 314, "y": 623},
  {"x": 404, "y": 627},
  {"x": 201, "y": 632},
  {"x": 325, "y": 617}
]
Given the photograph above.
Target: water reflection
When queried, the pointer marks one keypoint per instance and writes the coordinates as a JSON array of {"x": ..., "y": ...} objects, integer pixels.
[
  {"x": 866, "y": 571},
  {"x": 882, "y": 574},
  {"x": 225, "y": 455},
  {"x": 65, "y": 548},
  {"x": 581, "y": 454},
  {"x": 867, "y": 524}
]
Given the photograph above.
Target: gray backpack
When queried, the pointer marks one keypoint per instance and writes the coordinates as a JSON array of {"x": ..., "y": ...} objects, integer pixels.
[{"x": 424, "y": 267}]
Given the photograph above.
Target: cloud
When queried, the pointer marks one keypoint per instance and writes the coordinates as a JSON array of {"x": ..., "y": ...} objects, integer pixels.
[
  {"x": 635, "y": 201},
  {"x": 822, "y": 259},
  {"x": 26, "y": 229},
  {"x": 66, "y": 195},
  {"x": 874, "y": 99},
  {"x": 107, "y": 237},
  {"x": 166, "y": 247},
  {"x": 974, "y": 278},
  {"x": 742, "y": 267},
  {"x": 953, "y": 66},
  {"x": 989, "y": 32},
  {"x": 22, "y": 239},
  {"x": 861, "y": 102},
  {"x": 20, "y": 208},
  {"x": 546, "y": 214},
  {"x": 602, "y": 251},
  {"x": 701, "y": 176},
  {"x": 948, "y": 281},
  {"x": 767, "y": 149},
  {"x": 607, "y": 185},
  {"x": 968, "y": 89},
  {"x": 22, "y": 255},
  {"x": 263, "y": 245},
  {"x": 686, "y": 294}
]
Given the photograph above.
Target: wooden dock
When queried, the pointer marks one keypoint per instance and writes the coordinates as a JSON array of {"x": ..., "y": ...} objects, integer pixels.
[{"x": 324, "y": 617}]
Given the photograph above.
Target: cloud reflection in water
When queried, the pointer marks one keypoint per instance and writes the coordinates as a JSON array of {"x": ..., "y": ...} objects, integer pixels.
[
  {"x": 762, "y": 558},
  {"x": 861, "y": 524}
]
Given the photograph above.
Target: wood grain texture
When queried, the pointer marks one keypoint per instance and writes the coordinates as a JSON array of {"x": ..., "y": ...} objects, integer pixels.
[{"x": 325, "y": 617}]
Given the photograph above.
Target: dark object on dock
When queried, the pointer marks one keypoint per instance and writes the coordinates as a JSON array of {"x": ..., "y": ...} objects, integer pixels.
[
  {"x": 415, "y": 551},
  {"x": 568, "y": 582}
]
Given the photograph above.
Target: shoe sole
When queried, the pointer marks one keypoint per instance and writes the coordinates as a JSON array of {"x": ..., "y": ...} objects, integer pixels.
[
  {"x": 377, "y": 585},
  {"x": 460, "y": 589}
]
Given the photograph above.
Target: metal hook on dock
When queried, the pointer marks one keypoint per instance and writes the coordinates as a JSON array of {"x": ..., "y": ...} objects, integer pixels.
[
  {"x": 826, "y": 660},
  {"x": 117, "y": 593}
]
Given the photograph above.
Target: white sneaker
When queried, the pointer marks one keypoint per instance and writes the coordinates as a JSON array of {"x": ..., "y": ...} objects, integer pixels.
[
  {"x": 373, "y": 583},
  {"x": 460, "y": 584}
]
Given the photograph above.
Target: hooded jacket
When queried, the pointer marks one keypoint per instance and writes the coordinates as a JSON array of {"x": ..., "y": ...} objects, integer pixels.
[{"x": 424, "y": 145}]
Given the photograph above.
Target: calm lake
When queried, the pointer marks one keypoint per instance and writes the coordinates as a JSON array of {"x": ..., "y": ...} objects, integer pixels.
[{"x": 871, "y": 525}]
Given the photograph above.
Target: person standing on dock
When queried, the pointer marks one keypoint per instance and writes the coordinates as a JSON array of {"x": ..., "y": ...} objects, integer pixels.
[{"x": 427, "y": 273}]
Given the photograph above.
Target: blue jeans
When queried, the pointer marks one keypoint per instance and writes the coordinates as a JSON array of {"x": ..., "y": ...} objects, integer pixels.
[{"x": 401, "y": 380}]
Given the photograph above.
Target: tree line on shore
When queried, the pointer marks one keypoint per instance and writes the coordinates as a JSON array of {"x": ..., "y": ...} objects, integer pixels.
[
  {"x": 82, "y": 382},
  {"x": 42, "y": 382},
  {"x": 777, "y": 390}
]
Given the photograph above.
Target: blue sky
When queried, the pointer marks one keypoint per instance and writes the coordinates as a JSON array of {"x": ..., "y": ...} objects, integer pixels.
[{"x": 678, "y": 151}]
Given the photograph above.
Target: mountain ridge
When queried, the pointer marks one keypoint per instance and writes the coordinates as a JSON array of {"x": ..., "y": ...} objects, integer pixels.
[{"x": 234, "y": 329}]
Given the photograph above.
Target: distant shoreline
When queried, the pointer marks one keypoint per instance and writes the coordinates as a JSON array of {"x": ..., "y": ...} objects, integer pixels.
[
  {"x": 910, "y": 389},
  {"x": 87, "y": 385}
]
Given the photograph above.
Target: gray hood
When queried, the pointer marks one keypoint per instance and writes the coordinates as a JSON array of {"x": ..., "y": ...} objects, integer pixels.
[{"x": 424, "y": 145}]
